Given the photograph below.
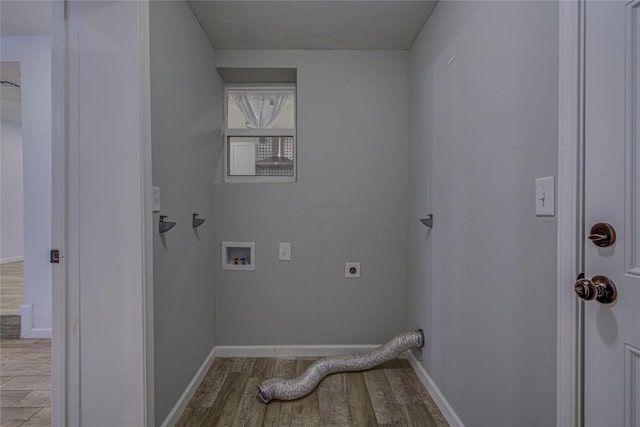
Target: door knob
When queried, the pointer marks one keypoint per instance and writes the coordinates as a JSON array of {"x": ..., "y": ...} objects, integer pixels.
[
  {"x": 602, "y": 234},
  {"x": 600, "y": 288}
]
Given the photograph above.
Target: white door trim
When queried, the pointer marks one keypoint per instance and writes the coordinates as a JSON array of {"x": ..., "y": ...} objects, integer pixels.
[
  {"x": 62, "y": 351},
  {"x": 67, "y": 31},
  {"x": 147, "y": 209},
  {"x": 569, "y": 389}
]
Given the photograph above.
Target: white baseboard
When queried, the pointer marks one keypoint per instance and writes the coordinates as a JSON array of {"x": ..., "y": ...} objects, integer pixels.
[
  {"x": 38, "y": 333},
  {"x": 439, "y": 399},
  {"x": 181, "y": 404},
  {"x": 289, "y": 350},
  {"x": 7, "y": 260},
  {"x": 26, "y": 324}
]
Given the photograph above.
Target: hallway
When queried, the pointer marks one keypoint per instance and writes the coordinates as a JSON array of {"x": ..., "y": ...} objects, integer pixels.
[{"x": 25, "y": 364}]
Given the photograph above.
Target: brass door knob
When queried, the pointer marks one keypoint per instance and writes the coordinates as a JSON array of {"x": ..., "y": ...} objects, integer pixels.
[
  {"x": 600, "y": 288},
  {"x": 602, "y": 234}
]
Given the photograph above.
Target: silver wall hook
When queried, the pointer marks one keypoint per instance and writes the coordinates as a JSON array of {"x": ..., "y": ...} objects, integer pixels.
[
  {"x": 428, "y": 221},
  {"x": 164, "y": 226},
  {"x": 196, "y": 222}
]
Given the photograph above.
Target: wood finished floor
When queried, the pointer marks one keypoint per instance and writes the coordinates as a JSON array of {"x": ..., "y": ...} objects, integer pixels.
[
  {"x": 390, "y": 394},
  {"x": 25, "y": 383},
  {"x": 11, "y": 284}
]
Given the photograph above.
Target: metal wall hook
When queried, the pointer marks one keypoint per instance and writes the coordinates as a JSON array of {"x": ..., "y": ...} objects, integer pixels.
[
  {"x": 196, "y": 222},
  {"x": 428, "y": 221},
  {"x": 165, "y": 226}
]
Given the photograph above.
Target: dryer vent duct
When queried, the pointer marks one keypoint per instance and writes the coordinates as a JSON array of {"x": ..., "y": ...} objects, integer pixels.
[{"x": 295, "y": 388}]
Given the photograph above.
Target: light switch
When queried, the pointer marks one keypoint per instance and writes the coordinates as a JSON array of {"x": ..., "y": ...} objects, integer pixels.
[
  {"x": 545, "y": 196},
  {"x": 156, "y": 199}
]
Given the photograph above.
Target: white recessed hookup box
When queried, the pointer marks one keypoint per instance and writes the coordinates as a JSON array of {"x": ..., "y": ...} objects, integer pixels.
[{"x": 238, "y": 256}]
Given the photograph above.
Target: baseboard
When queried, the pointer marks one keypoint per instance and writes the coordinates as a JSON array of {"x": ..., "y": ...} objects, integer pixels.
[
  {"x": 26, "y": 325},
  {"x": 7, "y": 260},
  {"x": 181, "y": 404},
  {"x": 289, "y": 350},
  {"x": 439, "y": 399},
  {"x": 38, "y": 333}
]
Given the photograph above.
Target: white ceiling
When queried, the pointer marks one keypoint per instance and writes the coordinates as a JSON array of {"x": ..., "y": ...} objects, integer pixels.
[
  {"x": 25, "y": 17},
  {"x": 355, "y": 24}
]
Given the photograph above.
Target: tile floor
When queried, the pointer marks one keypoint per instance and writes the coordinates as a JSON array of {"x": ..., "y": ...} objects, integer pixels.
[{"x": 25, "y": 382}]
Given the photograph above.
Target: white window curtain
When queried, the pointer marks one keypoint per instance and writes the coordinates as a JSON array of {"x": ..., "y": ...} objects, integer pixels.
[{"x": 261, "y": 110}]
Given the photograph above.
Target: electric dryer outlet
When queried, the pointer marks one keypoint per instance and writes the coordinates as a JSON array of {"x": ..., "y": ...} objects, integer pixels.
[{"x": 352, "y": 269}]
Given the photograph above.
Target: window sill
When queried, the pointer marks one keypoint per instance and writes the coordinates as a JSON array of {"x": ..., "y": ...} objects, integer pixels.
[{"x": 258, "y": 179}]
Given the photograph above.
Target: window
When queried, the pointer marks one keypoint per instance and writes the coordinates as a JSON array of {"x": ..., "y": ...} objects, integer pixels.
[{"x": 260, "y": 133}]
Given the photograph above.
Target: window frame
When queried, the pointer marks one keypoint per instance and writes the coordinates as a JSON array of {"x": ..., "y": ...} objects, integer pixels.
[{"x": 230, "y": 132}]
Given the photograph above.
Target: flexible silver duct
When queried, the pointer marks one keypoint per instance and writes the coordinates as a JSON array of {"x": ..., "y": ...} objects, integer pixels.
[{"x": 295, "y": 388}]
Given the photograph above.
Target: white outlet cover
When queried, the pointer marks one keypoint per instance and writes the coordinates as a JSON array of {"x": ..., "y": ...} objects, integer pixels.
[
  {"x": 284, "y": 252},
  {"x": 347, "y": 269}
]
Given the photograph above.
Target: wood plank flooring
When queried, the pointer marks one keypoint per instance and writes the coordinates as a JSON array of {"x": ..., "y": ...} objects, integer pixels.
[
  {"x": 11, "y": 284},
  {"x": 388, "y": 394},
  {"x": 25, "y": 382}
]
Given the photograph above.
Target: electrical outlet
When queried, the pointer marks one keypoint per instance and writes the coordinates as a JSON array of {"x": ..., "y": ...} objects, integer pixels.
[
  {"x": 352, "y": 269},
  {"x": 284, "y": 253}
]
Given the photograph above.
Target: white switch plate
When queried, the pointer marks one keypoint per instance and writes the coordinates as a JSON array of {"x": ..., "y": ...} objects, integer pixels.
[
  {"x": 545, "y": 196},
  {"x": 284, "y": 253},
  {"x": 156, "y": 199},
  {"x": 348, "y": 266}
]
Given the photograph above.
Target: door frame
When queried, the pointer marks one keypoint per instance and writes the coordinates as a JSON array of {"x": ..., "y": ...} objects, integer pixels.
[
  {"x": 66, "y": 357},
  {"x": 571, "y": 107},
  {"x": 147, "y": 209},
  {"x": 65, "y": 348}
]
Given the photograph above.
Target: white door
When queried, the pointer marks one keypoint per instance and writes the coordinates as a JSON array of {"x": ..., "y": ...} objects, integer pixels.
[{"x": 612, "y": 195}]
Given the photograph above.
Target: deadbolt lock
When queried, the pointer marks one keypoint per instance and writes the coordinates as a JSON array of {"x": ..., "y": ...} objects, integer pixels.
[
  {"x": 602, "y": 234},
  {"x": 600, "y": 288}
]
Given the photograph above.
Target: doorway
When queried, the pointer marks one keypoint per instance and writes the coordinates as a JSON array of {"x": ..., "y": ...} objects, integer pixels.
[
  {"x": 27, "y": 210},
  {"x": 25, "y": 305},
  {"x": 11, "y": 201}
]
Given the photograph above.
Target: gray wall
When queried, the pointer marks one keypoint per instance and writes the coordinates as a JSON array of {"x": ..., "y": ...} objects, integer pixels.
[
  {"x": 186, "y": 116},
  {"x": 349, "y": 204},
  {"x": 482, "y": 282},
  {"x": 11, "y": 191}
]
